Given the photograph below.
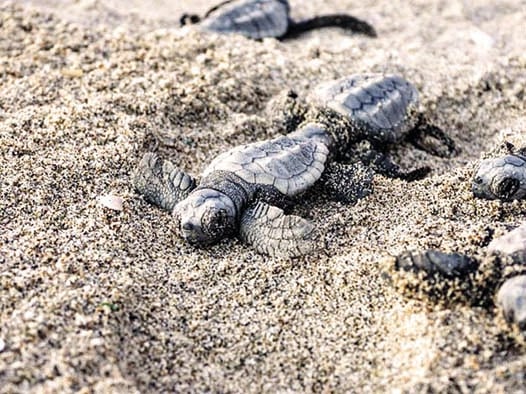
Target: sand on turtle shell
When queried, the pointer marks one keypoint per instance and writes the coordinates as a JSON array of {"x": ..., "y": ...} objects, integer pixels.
[{"x": 94, "y": 299}]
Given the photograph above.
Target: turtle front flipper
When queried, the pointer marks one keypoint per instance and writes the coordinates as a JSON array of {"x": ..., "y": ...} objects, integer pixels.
[
  {"x": 271, "y": 232},
  {"x": 160, "y": 182},
  {"x": 432, "y": 139}
]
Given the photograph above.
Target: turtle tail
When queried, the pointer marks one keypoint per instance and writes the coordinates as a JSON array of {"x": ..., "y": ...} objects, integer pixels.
[{"x": 343, "y": 21}]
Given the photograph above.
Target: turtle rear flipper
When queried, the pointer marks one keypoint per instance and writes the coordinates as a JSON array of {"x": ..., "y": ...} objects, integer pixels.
[
  {"x": 160, "y": 182},
  {"x": 347, "y": 182},
  {"x": 382, "y": 164},
  {"x": 343, "y": 21},
  {"x": 271, "y": 232},
  {"x": 432, "y": 139}
]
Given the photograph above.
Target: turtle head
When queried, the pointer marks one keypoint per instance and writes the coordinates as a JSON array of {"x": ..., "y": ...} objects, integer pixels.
[
  {"x": 206, "y": 216},
  {"x": 501, "y": 178}
]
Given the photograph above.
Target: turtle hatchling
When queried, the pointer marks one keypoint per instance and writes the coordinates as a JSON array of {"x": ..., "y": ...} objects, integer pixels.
[
  {"x": 258, "y": 19},
  {"x": 365, "y": 115},
  {"x": 501, "y": 178},
  {"x": 245, "y": 189},
  {"x": 495, "y": 276}
]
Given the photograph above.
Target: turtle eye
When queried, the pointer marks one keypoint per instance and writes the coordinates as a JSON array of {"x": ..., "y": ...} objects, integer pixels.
[
  {"x": 188, "y": 226},
  {"x": 507, "y": 187},
  {"x": 478, "y": 180}
]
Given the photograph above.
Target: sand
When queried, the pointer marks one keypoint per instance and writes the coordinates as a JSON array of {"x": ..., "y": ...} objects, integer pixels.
[{"x": 94, "y": 299}]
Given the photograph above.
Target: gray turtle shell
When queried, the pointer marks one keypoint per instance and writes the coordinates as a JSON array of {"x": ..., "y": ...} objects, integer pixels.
[
  {"x": 381, "y": 105},
  {"x": 254, "y": 19},
  {"x": 291, "y": 165}
]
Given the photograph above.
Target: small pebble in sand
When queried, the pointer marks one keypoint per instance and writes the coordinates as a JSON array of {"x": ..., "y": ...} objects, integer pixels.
[
  {"x": 2, "y": 345},
  {"x": 512, "y": 298},
  {"x": 112, "y": 202},
  {"x": 72, "y": 72}
]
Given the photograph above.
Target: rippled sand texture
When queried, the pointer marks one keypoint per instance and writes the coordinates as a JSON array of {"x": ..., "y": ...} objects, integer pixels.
[{"x": 93, "y": 298}]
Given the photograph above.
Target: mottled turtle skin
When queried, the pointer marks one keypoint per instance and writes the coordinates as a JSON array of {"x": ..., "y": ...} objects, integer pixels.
[
  {"x": 244, "y": 190},
  {"x": 502, "y": 178},
  {"x": 259, "y": 19}
]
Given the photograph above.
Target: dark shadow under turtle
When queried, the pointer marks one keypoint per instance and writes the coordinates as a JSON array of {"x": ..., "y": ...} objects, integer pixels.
[{"x": 258, "y": 19}]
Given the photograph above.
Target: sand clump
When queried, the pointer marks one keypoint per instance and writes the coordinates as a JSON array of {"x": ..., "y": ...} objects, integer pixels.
[{"x": 104, "y": 300}]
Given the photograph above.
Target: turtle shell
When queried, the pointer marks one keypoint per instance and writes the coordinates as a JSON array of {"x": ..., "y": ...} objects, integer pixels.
[
  {"x": 382, "y": 106},
  {"x": 254, "y": 19},
  {"x": 291, "y": 165}
]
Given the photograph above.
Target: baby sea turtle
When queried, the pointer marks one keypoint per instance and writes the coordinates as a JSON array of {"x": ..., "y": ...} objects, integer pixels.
[
  {"x": 501, "y": 178},
  {"x": 453, "y": 277},
  {"x": 435, "y": 275},
  {"x": 244, "y": 189},
  {"x": 258, "y": 19},
  {"x": 367, "y": 113}
]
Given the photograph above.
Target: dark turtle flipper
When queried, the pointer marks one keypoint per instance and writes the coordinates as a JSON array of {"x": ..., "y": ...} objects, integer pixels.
[
  {"x": 271, "y": 232},
  {"x": 432, "y": 139},
  {"x": 438, "y": 276},
  {"x": 343, "y": 21},
  {"x": 382, "y": 164},
  {"x": 160, "y": 182},
  {"x": 347, "y": 182}
]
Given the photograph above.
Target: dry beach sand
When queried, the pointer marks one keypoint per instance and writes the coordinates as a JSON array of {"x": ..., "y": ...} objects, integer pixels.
[{"x": 102, "y": 300}]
